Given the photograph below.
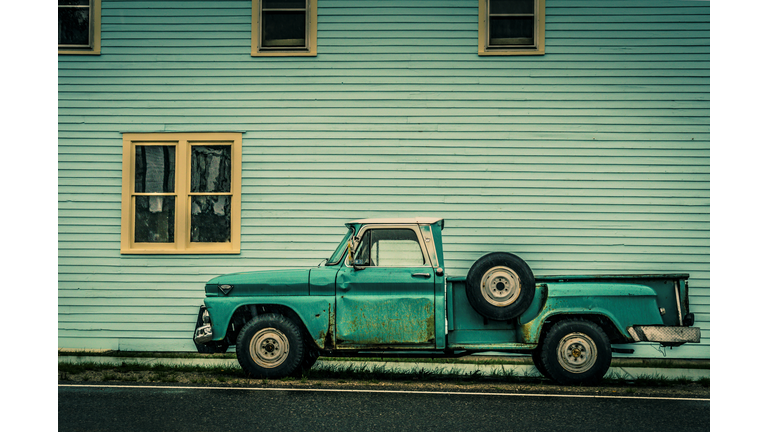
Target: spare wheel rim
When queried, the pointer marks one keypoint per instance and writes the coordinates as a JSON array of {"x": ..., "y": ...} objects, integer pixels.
[
  {"x": 500, "y": 286},
  {"x": 269, "y": 348}
]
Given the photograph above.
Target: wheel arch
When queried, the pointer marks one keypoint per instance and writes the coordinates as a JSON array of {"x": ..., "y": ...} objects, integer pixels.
[
  {"x": 245, "y": 312},
  {"x": 607, "y": 324}
]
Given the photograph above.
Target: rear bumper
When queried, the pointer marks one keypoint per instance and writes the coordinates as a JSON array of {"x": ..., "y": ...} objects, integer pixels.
[{"x": 666, "y": 335}]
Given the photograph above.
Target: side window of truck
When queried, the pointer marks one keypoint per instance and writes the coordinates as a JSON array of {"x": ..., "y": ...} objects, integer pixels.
[{"x": 389, "y": 248}]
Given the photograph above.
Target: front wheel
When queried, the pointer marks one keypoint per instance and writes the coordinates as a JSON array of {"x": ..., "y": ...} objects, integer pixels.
[
  {"x": 270, "y": 346},
  {"x": 576, "y": 352}
]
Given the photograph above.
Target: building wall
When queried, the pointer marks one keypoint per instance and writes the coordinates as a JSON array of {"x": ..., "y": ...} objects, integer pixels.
[{"x": 591, "y": 159}]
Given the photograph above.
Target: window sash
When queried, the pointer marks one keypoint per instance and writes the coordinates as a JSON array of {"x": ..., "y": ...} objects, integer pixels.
[
  {"x": 520, "y": 42},
  {"x": 272, "y": 12},
  {"x": 89, "y": 8}
]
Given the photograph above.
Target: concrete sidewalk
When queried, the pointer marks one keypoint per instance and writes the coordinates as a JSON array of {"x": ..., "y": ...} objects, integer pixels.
[{"x": 520, "y": 366}]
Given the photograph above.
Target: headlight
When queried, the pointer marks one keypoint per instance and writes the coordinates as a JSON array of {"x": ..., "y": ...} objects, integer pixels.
[{"x": 206, "y": 317}]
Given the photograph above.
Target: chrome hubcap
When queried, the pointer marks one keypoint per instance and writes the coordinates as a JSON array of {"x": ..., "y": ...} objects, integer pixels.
[
  {"x": 500, "y": 286},
  {"x": 577, "y": 353},
  {"x": 269, "y": 348}
]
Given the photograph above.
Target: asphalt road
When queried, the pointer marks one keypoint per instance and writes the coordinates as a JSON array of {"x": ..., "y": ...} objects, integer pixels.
[{"x": 168, "y": 408}]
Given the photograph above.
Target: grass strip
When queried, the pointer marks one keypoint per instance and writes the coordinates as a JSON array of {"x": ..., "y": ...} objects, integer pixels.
[{"x": 339, "y": 372}]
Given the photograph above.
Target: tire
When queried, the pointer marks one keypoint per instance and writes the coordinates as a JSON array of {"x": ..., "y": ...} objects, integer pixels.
[
  {"x": 536, "y": 357},
  {"x": 310, "y": 357},
  {"x": 270, "y": 346},
  {"x": 500, "y": 286},
  {"x": 576, "y": 352}
]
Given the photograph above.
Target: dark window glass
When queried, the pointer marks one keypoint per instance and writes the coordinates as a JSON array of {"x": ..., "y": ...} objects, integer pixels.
[
  {"x": 511, "y": 31},
  {"x": 283, "y": 4},
  {"x": 74, "y": 25},
  {"x": 155, "y": 216},
  {"x": 211, "y": 219},
  {"x": 211, "y": 168},
  {"x": 283, "y": 29},
  {"x": 155, "y": 169},
  {"x": 511, "y": 6}
]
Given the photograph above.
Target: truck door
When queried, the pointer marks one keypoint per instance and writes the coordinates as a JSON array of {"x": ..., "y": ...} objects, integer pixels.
[{"x": 386, "y": 296}]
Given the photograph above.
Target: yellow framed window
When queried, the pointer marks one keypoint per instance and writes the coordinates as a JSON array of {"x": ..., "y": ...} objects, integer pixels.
[
  {"x": 181, "y": 193},
  {"x": 79, "y": 26},
  {"x": 284, "y": 28},
  {"x": 511, "y": 27}
]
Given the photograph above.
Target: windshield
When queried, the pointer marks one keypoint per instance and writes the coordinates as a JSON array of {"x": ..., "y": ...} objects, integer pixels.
[{"x": 340, "y": 249}]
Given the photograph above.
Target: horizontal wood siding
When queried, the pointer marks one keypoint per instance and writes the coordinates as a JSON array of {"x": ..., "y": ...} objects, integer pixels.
[{"x": 591, "y": 159}]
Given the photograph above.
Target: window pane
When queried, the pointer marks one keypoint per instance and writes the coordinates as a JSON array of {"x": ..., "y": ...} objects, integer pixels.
[
  {"x": 73, "y": 26},
  {"x": 211, "y": 219},
  {"x": 155, "y": 169},
  {"x": 211, "y": 168},
  {"x": 155, "y": 219},
  {"x": 511, "y": 31},
  {"x": 389, "y": 248},
  {"x": 283, "y": 4},
  {"x": 283, "y": 29},
  {"x": 363, "y": 253},
  {"x": 511, "y": 6}
]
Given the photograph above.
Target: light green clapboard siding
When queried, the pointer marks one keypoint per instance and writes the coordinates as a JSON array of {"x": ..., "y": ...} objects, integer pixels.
[{"x": 591, "y": 159}]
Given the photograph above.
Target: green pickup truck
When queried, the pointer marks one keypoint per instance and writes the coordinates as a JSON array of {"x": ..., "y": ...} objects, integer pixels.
[{"x": 384, "y": 292}]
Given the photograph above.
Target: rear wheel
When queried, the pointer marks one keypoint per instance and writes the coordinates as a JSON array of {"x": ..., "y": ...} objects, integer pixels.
[
  {"x": 576, "y": 352},
  {"x": 536, "y": 357},
  {"x": 270, "y": 346}
]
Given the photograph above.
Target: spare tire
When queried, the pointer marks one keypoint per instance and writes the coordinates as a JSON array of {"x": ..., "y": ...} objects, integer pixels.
[{"x": 500, "y": 286}]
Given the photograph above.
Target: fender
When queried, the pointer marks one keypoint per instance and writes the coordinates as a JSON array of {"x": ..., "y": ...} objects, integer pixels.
[
  {"x": 316, "y": 312},
  {"x": 623, "y": 304}
]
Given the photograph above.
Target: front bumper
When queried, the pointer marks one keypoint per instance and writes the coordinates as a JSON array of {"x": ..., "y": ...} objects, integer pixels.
[
  {"x": 203, "y": 330},
  {"x": 666, "y": 335},
  {"x": 204, "y": 334}
]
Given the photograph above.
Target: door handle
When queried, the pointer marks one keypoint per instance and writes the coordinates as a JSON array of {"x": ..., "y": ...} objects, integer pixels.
[{"x": 425, "y": 275}]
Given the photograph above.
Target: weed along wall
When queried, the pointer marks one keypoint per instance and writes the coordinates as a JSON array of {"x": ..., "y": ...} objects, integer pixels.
[{"x": 591, "y": 158}]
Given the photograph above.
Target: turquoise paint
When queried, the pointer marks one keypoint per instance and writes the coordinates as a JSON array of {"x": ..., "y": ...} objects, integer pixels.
[
  {"x": 322, "y": 280},
  {"x": 582, "y": 181},
  {"x": 265, "y": 283}
]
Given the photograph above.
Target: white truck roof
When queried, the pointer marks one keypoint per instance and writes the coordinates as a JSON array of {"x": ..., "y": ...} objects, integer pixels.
[{"x": 413, "y": 220}]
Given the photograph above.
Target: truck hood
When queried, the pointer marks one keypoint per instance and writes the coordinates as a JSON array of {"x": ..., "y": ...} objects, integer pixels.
[{"x": 293, "y": 282}]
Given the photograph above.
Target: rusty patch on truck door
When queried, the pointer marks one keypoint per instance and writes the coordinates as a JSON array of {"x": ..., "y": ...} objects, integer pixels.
[{"x": 385, "y": 322}]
